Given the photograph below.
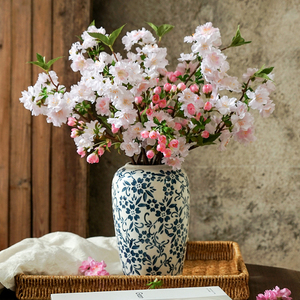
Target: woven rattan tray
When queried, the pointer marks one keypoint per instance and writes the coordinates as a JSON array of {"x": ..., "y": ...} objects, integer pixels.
[{"x": 207, "y": 264}]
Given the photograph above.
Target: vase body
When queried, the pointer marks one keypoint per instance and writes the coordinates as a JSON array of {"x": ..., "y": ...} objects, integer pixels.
[{"x": 151, "y": 218}]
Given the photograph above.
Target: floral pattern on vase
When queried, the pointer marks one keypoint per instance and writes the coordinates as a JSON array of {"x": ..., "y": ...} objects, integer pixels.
[{"x": 151, "y": 217}]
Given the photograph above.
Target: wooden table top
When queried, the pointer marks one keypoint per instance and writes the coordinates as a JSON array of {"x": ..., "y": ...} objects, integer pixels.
[{"x": 261, "y": 278}]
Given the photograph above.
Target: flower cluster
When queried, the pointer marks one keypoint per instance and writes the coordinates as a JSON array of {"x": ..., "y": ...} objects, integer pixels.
[
  {"x": 91, "y": 267},
  {"x": 136, "y": 105},
  {"x": 275, "y": 294}
]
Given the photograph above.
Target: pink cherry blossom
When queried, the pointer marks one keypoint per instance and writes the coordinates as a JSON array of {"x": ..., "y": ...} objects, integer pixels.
[
  {"x": 93, "y": 158},
  {"x": 155, "y": 98},
  {"x": 205, "y": 134},
  {"x": 114, "y": 129},
  {"x": 161, "y": 147},
  {"x": 172, "y": 77},
  {"x": 170, "y": 109},
  {"x": 177, "y": 73},
  {"x": 181, "y": 86},
  {"x": 91, "y": 267},
  {"x": 157, "y": 90},
  {"x": 72, "y": 121},
  {"x": 162, "y": 103},
  {"x": 138, "y": 100},
  {"x": 150, "y": 154},
  {"x": 197, "y": 117},
  {"x": 149, "y": 112},
  {"x": 81, "y": 151},
  {"x": 173, "y": 143},
  {"x": 207, "y": 106},
  {"x": 145, "y": 134},
  {"x": 162, "y": 139},
  {"x": 275, "y": 294},
  {"x": 100, "y": 151},
  {"x": 194, "y": 88},
  {"x": 74, "y": 132},
  {"x": 174, "y": 88},
  {"x": 122, "y": 97},
  {"x": 167, "y": 87},
  {"x": 191, "y": 109},
  {"x": 153, "y": 135},
  {"x": 178, "y": 126},
  {"x": 207, "y": 88},
  {"x": 167, "y": 152}
]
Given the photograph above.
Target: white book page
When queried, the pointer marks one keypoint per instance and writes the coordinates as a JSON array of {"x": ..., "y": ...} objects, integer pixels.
[{"x": 201, "y": 293}]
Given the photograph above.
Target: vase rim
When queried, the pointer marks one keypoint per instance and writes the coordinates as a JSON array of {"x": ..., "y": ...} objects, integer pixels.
[{"x": 129, "y": 165}]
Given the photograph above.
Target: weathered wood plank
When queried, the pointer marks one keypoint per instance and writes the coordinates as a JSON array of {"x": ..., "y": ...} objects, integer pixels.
[
  {"x": 69, "y": 171},
  {"x": 41, "y": 130},
  {"x": 5, "y": 73},
  {"x": 20, "y": 146}
]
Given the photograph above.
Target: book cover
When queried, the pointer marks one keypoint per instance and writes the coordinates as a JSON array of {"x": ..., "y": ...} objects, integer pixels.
[{"x": 201, "y": 293}]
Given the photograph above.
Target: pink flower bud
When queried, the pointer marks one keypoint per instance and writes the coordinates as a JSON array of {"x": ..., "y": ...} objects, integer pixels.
[
  {"x": 80, "y": 151},
  {"x": 72, "y": 121},
  {"x": 207, "y": 106},
  {"x": 191, "y": 109},
  {"x": 205, "y": 134},
  {"x": 178, "y": 126},
  {"x": 155, "y": 98},
  {"x": 93, "y": 158},
  {"x": 184, "y": 122},
  {"x": 162, "y": 103},
  {"x": 100, "y": 151},
  {"x": 198, "y": 116},
  {"x": 74, "y": 132},
  {"x": 170, "y": 110},
  {"x": 150, "y": 154},
  {"x": 153, "y": 135},
  {"x": 149, "y": 112},
  {"x": 157, "y": 90},
  {"x": 145, "y": 134},
  {"x": 167, "y": 87},
  {"x": 161, "y": 148},
  {"x": 172, "y": 77},
  {"x": 162, "y": 139},
  {"x": 138, "y": 100},
  {"x": 194, "y": 88},
  {"x": 177, "y": 73},
  {"x": 174, "y": 88},
  {"x": 207, "y": 88},
  {"x": 167, "y": 152},
  {"x": 174, "y": 143},
  {"x": 114, "y": 129},
  {"x": 181, "y": 86},
  {"x": 82, "y": 125}
]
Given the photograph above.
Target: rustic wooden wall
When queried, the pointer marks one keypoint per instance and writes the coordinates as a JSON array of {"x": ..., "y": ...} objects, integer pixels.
[{"x": 43, "y": 182}]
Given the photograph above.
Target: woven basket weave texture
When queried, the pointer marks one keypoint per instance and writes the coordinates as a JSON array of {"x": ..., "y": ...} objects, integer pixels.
[{"x": 207, "y": 264}]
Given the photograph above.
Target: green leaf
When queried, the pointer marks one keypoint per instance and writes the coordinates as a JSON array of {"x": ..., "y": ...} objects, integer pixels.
[
  {"x": 114, "y": 35},
  {"x": 163, "y": 29},
  {"x": 99, "y": 36},
  {"x": 42, "y": 63},
  {"x": 39, "y": 64},
  {"x": 40, "y": 58},
  {"x": 154, "y": 27},
  {"x": 155, "y": 120},
  {"x": 210, "y": 140},
  {"x": 93, "y": 23},
  {"x": 154, "y": 284},
  {"x": 263, "y": 73},
  {"x": 237, "y": 40},
  {"x": 52, "y": 61}
]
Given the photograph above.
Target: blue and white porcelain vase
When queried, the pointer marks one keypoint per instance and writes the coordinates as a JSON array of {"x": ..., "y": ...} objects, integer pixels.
[{"x": 151, "y": 218}]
